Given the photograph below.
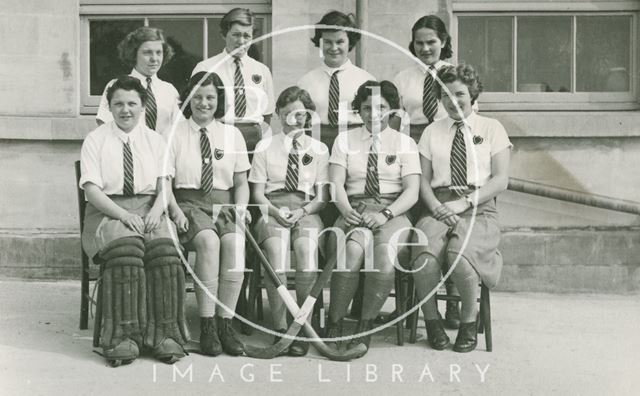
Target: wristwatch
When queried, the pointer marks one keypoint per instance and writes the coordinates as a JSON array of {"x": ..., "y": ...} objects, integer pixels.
[
  {"x": 469, "y": 201},
  {"x": 387, "y": 213}
]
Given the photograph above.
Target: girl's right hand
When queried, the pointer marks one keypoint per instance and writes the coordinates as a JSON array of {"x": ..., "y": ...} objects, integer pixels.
[
  {"x": 181, "y": 221},
  {"x": 282, "y": 217},
  {"x": 353, "y": 218},
  {"x": 134, "y": 222}
]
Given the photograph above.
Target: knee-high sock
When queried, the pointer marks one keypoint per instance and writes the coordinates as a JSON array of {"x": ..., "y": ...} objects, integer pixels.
[
  {"x": 206, "y": 304},
  {"x": 304, "y": 284},
  {"x": 448, "y": 284},
  {"x": 278, "y": 309},
  {"x": 426, "y": 279},
  {"x": 343, "y": 288},
  {"x": 231, "y": 273},
  {"x": 377, "y": 287},
  {"x": 466, "y": 280}
]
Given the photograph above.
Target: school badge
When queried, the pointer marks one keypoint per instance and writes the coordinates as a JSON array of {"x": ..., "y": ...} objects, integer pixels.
[
  {"x": 256, "y": 78},
  {"x": 390, "y": 159},
  {"x": 477, "y": 140},
  {"x": 306, "y": 160},
  {"x": 218, "y": 154}
]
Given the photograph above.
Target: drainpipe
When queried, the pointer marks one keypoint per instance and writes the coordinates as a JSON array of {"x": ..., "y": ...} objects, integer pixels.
[{"x": 362, "y": 19}]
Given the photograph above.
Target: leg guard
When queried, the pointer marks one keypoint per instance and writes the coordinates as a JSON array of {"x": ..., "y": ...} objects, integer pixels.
[
  {"x": 123, "y": 299},
  {"x": 166, "y": 330}
]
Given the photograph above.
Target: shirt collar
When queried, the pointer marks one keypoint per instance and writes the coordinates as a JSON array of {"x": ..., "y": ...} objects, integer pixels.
[
  {"x": 231, "y": 59},
  {"x": 331, "y": 70},
  {"x": 467, "y": 121},
  {"x": 424, "y": 68},
  {"x": 124, "y": 136},
  {"x": 288, "y": 142},
  {"x": 135, "y": 73},
  {"x": 196, "y": 128},
  {"x": 366, "y": 135}
]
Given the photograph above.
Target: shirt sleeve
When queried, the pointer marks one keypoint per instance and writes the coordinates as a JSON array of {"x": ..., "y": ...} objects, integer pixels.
[
  {"x": 424, "y": 144},
  {"x": 104, "y": 114},
  {"x": 258, "y": 172},
  {"x": 164, "y": 165},
  {"x": 242, "y": 158},
  {"x": 323, "y": 164},
  {"x": 172, "y": 156},
  {"x": 90, "y": 162},
  {"x": 499, "y": 138},
  {"x": 338, "y": 153},
  {"x": 268, "y": 87},
  {"x": 199, "y": 67},
  {"x": 409, "y": 158}
]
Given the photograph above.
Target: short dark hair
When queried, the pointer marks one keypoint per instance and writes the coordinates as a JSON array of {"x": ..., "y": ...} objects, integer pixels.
[
  {"x": 466, "y": 74},
  {"x": 337, "y": 18},
  {"x": 290, "y": 95},
  {"x": 194, "y": 83},
  {"x": 128, "y": 47},
  {"x": 387, "y": 90},
  {"x": 436, "y": 24},
  {"x": 127, "y": 83},
  {"x": 242, "y": 16}
]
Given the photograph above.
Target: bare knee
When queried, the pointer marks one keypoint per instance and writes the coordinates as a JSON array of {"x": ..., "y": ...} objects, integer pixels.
[{"x": 206, "y": 242}]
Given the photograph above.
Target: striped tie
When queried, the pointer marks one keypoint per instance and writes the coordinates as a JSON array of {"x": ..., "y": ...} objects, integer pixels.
[
  {"x": 291, "y": 182},
  {"x": 429, "y": 101},
  {"x": 240, "y": 101},
  {"x": 459, "y": 160},
  {"x": 206, "y": 181},
  {"x": 334, "y": 98},
  {"x": 372, "y": 183},
  {"x": 151, "y": 108},
  {"x": 127, "y": 163}
]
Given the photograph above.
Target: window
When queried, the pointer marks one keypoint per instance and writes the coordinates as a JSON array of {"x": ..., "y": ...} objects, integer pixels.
[
  {"x": 552, "y": 60},
  {"x": 193, "y": 33}
]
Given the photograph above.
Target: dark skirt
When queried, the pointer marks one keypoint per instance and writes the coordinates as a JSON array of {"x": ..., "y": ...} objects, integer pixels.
[
  {"x": 100, "y": 229},
  {"x": 206, "y": 212},
  {"x": 481, "y": 248},
  {"x": 308, "y": 226}
]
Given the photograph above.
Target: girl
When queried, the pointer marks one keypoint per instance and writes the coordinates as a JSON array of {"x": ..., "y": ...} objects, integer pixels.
[
  {"x": 377, "y": 167},
  {"x": 289, "y": 176},
  {"x": 145, "y": 50},
  {"x": 210, "y": 163},
  {"x": 125, "y": 230},
  {"x": 465, "y": 165}
]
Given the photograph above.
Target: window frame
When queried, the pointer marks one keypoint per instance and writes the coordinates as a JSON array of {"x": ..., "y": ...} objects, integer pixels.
[
  {"x": 494, "y": 101},
  {"x": 153, "y": 9}
]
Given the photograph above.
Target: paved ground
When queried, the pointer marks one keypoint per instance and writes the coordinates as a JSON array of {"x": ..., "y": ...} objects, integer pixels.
[{"x": 543, "y": 344}]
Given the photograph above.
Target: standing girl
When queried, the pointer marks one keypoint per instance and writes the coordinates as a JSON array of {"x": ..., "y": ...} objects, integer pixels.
[
  {"x": 210, "y": 165},
  {"x": 289, "y": 176}
]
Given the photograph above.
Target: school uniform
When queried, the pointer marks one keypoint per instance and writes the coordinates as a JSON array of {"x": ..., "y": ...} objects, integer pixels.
[
  {"x": 483, "y": 138},
  {"x": 318, "y": 82},
  {"x": 166, "y": 101},
  {"x": 270, "y": 166},
  {"x": 101, "y": 162},
  {"x": 255, "y": 98},
  {"x": 227, "y": 155},
  {"x": 397, "y": 158}
]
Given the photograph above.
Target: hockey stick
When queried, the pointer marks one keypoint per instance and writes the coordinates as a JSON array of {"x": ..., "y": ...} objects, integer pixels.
[{"x": 300, "y": 314}]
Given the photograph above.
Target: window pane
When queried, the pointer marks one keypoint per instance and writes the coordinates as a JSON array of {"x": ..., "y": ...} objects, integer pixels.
[
  {"x": 603, "y": 51},
  {"x": 104, "y": 64},
  {"x": 544, "y": 54},
  {"x": 487, "y": 44},
  {"x": 186, "y": 38},
  {"x": 217, "y": 43}
]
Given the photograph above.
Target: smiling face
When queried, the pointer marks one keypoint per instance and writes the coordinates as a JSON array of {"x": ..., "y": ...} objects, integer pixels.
[
  {"x": 204, "y": 104},
  {"x": 126, "y": 107},
  {"x": 238, "y": 36},
  {"x": 427, "y": 46},
  {"x": 375, "y": 113},
  {"x": 459, "y": 95},
  {"x": 292, "y": 116},
  {"x": 149, "y": 58},
  {"x": 335, "y": 48}
]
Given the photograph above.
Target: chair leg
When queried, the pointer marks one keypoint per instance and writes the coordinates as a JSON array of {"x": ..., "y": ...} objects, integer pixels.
[
  {"x": 413, "y": 319},
  {"x": 84, "y": 293},
  {"x": 97, "y": 325},
  {"x": 254, "y": 288},
  {"x": 485, "y": 311},
  {"x": 400, "y": 307}
]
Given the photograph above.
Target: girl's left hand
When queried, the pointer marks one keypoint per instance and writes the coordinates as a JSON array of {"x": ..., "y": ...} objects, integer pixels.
[
  {"x": 374, "y": 220},
  {"x": 152, "y": 219},
  {"x": 243, "y": 213},
  {"x": 458, "y": 206},
  {"x": 295, "y": 215}
]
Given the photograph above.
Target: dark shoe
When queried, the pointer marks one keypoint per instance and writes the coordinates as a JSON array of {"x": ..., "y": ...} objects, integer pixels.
[
  {"x": 364, "y": 325},
  {"x": 467, "y": 338},
  {"x": 452, "y": 315},
  {"x": 209, "y": 340},
  {"x": 276, "y": 339},
  {"x": 231, "y": 344},
  {"x": 169, "y": 351},
  {"x": 333, "y": 330},
  {"x": 436, "y": 336},
  {"x": 298, "y": 348},
  {"x": 124, "y": 353}
]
